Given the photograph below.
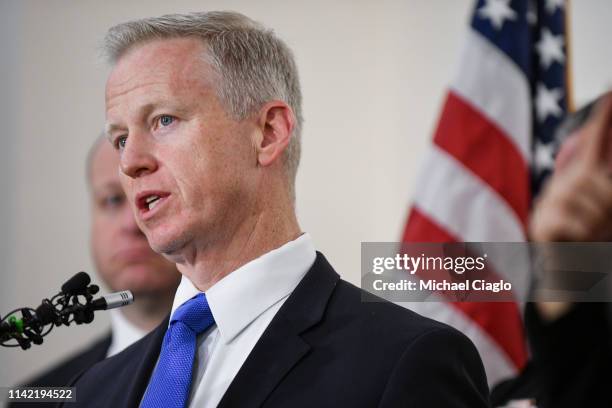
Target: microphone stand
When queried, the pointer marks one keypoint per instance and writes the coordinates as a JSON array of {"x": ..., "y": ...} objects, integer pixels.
[{"x": 64, "y": 308}]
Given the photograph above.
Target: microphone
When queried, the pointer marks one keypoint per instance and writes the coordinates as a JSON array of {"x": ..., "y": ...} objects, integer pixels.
[
  {"x": 77, "y": 284},
  {"x": 73, "y": 304},
  {"x": 113, "y": 300}
]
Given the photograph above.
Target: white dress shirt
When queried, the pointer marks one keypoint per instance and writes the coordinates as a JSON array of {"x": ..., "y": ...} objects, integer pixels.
[
  {"x": 124, "y": 333},
  {"x": 243, "y": 304}
]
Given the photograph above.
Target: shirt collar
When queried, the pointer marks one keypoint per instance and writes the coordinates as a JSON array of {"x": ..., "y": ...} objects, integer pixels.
[
  {"x": 124, "y": 332},
  {"x": 244, "y": 294}
]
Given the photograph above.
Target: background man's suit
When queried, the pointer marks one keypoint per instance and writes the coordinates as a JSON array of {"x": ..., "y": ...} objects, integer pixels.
[
  {"x": 571, "y": 359},
  {"x": 326, "y": 347},
  {"x": 61, "y": 374}
]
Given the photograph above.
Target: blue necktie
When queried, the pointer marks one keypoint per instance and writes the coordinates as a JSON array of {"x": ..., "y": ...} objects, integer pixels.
[{"x": 171, "y": 380}]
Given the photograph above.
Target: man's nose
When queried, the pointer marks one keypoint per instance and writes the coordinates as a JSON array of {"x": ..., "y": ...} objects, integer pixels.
[{"x": 137, "y": 158}]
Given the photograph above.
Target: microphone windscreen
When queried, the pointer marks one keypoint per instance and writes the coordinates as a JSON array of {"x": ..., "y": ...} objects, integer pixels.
[{"x": 77, "y": 284}]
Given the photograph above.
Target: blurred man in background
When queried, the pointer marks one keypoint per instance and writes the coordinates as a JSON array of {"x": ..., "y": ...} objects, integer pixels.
[{"x": 124, "y": 261}]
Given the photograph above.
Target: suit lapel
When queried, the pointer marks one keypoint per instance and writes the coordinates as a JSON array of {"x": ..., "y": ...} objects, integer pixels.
[
  {"x": 281, "y": 346},
  {"x": 137, "y": 382},
  {"x": 273, "y": 356}
]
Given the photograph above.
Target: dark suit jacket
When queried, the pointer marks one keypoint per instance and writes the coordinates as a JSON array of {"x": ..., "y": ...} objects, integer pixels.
[
  {"x": 571, "y": 360},
  {"x": 330, "y": 345},
  {"x": 61, "y": 374}
]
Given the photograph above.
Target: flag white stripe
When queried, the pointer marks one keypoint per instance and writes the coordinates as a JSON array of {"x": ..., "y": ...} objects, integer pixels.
[
  {"x": 462, "y": 203},
  {"x": 492, "y": 83},
  {"x": 471, "y": 211}
]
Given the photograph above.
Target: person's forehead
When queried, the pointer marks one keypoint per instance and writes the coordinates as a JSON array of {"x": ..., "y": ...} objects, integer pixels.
[
  {"x": 159, "y": 58},
  {"x": 159, "y": 71},
  {"x": 104, "y": 165}
]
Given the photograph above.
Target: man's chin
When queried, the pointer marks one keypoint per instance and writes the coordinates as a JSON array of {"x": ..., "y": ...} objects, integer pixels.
[
  {"x": 142, "y": 277},
  {"x": 171, "y": 249},
  {"x": 141, "y": 291}
]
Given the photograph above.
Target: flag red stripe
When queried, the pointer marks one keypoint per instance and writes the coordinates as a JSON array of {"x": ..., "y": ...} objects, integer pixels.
[
  {"x": 501, "y": 320},
  {"x": 420, "y": 228},
  {"x": 484, "y": 149}
]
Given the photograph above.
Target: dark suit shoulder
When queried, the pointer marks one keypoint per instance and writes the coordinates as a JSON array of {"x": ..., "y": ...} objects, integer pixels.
[
  {"x": 385, "y": 354},
  {"x": 61, "y": 374},
  {"x": 378, "y": 314},
  {"x": 444, "y": 357},
  {"x": 110, "y": 367},
  {"x": 411, "y": 351}
]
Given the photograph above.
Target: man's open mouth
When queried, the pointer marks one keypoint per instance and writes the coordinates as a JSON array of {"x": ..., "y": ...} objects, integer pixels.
[{"x": 147, "y": 201}]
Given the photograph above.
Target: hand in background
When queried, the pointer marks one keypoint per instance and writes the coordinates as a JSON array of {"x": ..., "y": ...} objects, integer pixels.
[{"x": 576, "y": 205}]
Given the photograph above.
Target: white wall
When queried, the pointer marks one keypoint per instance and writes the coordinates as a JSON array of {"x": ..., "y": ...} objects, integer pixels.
[{"x": 373, "y": 75}]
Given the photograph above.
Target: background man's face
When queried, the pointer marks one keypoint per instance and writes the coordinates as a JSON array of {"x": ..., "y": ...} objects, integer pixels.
[
  {"x": 120, "y": 250},
  {"x": 181, "y": 147}
]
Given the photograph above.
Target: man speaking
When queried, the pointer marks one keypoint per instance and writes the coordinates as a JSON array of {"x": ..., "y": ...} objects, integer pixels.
[{"x": 205, "y": 110}]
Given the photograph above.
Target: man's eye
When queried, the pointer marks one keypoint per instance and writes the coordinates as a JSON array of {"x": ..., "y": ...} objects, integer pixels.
[
  {"x": 113, "y": 201},
  {"x": 120, "y": 142},
  {"x": 166, "y": 120}
]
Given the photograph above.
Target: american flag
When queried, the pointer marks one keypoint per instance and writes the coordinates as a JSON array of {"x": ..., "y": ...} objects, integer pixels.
[{"x": 491, "y": 151}]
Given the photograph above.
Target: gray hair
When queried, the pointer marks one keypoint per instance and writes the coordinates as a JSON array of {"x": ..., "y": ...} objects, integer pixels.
[{"x": 253, "y": 64}]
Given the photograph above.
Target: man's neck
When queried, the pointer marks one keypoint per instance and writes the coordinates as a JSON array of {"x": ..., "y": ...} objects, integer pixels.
[{"x": 264, "y": 232}]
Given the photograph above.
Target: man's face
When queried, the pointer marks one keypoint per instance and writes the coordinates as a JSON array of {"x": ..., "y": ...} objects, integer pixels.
[
  {"x": 178, "y": 146},
  {"x": 120, "y": 250}
]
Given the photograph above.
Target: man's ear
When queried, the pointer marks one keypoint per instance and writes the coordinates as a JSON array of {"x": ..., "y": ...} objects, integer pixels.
[{"x": 276, "y": 122}]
